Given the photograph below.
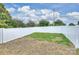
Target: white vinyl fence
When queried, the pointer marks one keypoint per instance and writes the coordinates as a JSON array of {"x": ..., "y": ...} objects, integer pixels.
[
  {"x": 1, "y": 35},
  {"x": 71, "y": 32}
]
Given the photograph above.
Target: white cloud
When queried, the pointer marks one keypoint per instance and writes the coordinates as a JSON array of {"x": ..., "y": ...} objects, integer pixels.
[
  {"x": 24, "y": 9},
  {"x": 74, "y": 15},
  {"x": 37, "y": 14},
  {"x": 45, "y": 11}
]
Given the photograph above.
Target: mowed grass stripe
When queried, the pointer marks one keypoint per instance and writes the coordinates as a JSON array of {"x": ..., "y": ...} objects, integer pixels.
[{"x": 51, "y": 37}]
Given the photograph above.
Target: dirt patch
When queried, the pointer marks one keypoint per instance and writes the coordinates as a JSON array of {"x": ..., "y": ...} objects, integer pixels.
[{"x": 26, "y": 46}]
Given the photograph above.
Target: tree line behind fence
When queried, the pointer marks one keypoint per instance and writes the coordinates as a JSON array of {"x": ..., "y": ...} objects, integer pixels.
[{"x": 6, "y": 21}]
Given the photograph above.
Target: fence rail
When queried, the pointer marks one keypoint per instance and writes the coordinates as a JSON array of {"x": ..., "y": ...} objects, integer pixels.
[{"x": 71, "y": 32}]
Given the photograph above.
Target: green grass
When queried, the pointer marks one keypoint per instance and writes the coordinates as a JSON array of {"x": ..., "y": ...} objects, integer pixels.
[{"x": 51, "y": 37}]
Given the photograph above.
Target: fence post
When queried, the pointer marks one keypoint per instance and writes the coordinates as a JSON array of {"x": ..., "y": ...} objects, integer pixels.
[{"x": 2, "y": 35}]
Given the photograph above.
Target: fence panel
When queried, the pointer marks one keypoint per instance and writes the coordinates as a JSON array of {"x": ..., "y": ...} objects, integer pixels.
[
  {"x": 14, "y": 33},
  {"x": 71, "y": 32}
]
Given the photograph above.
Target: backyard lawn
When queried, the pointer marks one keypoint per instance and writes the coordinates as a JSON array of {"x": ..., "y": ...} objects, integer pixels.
[
  {"x": 39, "y": 44},
  {"x": 51, "y": 37}
]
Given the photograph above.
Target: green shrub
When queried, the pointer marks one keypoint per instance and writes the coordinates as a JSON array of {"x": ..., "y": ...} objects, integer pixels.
[
  {"x": 71, "y": 24},
  {"x": 59, "y": 23},
  {"x": 30, "y": 24},
  {"x": 78, "y": 23},
  {"x": 15, "y": 23},
  {"x": 43, "y": 23}
]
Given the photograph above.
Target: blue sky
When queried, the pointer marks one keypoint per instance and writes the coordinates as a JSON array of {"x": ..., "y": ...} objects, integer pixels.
[{"x": 62, "y": 9}]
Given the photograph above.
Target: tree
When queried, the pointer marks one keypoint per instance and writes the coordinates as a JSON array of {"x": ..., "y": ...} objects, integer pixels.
[
  {"x": 71, "y": 24},
  {"x": 15, "y": 23},
  {"x": 59, "y": 23},
  {"x": 6, "y": 20},
  {"x": 3, "y": 24},
  {"x": 43, "y": 23},
  {"x": 78, "y": 23},
  {"x": 30, "y": 23},
  {"x": 1, "y": 5},
  {"x": 4, "y": 14}
]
